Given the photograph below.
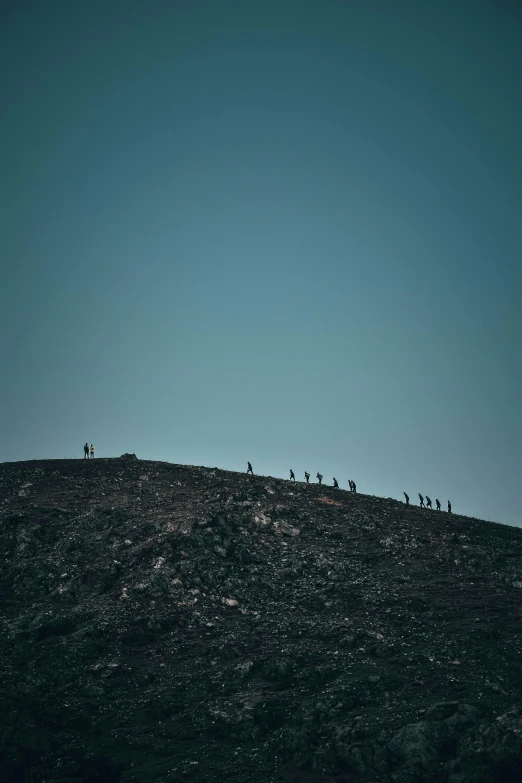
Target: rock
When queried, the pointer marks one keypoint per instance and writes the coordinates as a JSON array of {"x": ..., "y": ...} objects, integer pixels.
[
  {"x": 128, "y": 457},
  {"x": 464, "y": 716},
  {"x": 94, "y": 690},
  {"x": 245, "y": 668},
  {"x": 442, "y": 710},
  {"x": 419, "y": 745},
  {"x": 422, "y": 746},
  {"x": 286, "y": 529},
  {"x": 365, "y": 756}
]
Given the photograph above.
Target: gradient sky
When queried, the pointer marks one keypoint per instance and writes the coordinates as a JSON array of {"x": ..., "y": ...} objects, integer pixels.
[{"x": 284, "y": 232}]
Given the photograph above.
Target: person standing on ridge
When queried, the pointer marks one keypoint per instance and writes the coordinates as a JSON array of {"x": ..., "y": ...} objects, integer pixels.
[
  {"x": 407, "y": 498},
  {"x": 336, "y": 485},
  {"x": 354, "y": 486},
  {"x": 249, "y": 470},
  {"x": 428, "y": 502},
  {"x": 350, "y": 485},
  {"x": 319, "y": 478},
  {"x": 292, "y": 477},
  {"x": 307, "y": 477},
  {"x": 449, "y": 507},
  {"x": 421, "y": 504},
  {"x": 86, "y": 451},
  {"x": 92, "y": 451},
  {"x": 437, "y": 503}
]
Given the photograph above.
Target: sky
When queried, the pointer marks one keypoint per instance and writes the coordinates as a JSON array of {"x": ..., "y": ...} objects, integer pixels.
[{"x": 283, "y": 232}]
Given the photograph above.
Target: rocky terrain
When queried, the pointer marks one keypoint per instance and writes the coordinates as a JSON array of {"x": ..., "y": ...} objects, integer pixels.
[{"x": 172, "y": 623}]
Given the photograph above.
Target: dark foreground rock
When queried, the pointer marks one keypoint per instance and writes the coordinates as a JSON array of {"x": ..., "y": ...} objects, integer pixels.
[{"x": 170, "y": 623}]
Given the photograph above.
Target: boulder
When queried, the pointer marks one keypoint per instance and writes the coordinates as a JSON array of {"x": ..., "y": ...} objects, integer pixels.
[{"x": 419, "y": 745}]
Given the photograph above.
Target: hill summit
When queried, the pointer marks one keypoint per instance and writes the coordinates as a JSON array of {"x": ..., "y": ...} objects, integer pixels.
[{"x": 173, "y": 623}]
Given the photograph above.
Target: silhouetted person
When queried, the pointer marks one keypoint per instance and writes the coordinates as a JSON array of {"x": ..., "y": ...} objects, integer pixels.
[
  {"x": 292, "y": 477},
  {"x": 421, "y": 504},
  {"x": 407, "y": 498},
  {"x": 86, "y": 451},
  {"x": 428, "y": 502},
  {"x": 354, "y": 486},
  {"x": 250, "y": 469},
  {"x": 350, "y": 482},
  {"x": 307, "y": 477},
  {"x": 319, "y": 478},
  {"x": 336, "y": 485},
  {"x": 437, "y": 503},
  {"x": 92, "y": 451},
  {"x": 449, "y": 507}
]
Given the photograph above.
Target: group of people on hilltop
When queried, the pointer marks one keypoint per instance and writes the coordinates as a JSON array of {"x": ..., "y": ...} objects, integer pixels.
[
  {"x": 88, "y": 453},
  {"x": 319, "y": 477},
  {"x": 428, "y": 502},
  {"x": 353, "y": 488}
]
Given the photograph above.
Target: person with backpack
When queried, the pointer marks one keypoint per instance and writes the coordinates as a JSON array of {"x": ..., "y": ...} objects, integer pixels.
[
  {"x": 307, "y": 477},
  {"x": 336, "y": 485},
  {"x": 249, "y": 470},
  {"x": 292, "y": 477},
  {"x": 428, "y": 502},
  {"x": 92, "y": 451},
  {"x": 421, "y": 499},
  {"x": 437, "y": 503},
  {"x": 319, "y": 478}
]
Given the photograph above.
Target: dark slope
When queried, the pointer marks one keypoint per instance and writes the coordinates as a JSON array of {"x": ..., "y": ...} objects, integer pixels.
[{"x": 169, "y": 623}]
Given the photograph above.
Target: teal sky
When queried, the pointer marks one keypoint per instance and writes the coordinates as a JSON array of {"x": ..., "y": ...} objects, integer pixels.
[{"x": 283, "y": 232}]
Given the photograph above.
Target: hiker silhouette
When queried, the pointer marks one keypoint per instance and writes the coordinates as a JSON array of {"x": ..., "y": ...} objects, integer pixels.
[
  {"x": 437, "y": 503},
  {"x": 307, "y": 477},
  {"x": 354, "y": 486},
  {"x": 292, "y": 477},
  {"x": 428, "y": 502},
  {"x": 421, "y": 504},
  {"x": 249, "y": 470},
  {"x": 449, "y": 507},
  {"x": 86, "y": 451},
  {"x": 335, "y": 483},
  {"x": 407, "y": 498},
  {"x": 92, "y": 451},
  {"x": 319, "y": 478}
]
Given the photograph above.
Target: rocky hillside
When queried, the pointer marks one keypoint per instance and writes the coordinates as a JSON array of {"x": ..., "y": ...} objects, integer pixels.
[{"x": 172, "y": 623}]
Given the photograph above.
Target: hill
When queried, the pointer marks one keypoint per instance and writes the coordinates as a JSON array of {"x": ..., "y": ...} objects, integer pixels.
[{"x": 173, "y": 623}]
